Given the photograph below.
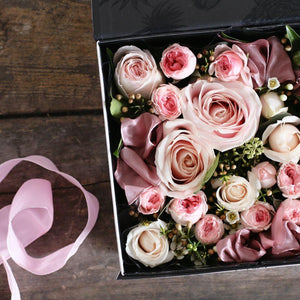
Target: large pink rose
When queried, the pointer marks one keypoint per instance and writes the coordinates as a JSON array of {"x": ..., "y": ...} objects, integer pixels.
[
  {"x": 209, "y": 230},
  {"x": 230, "y": 64},
  {"x": 258, "y": 217},
  {"x": 226, "y": 113},
  {"x": 167, "y": 101},
  {"x": 182, "y": 159},
  {"x": 266, "y": 174},
  {"x": 178, "y": 62},
  {"x": 151, "y": 200},
  {"x": 288, "y": 180},
  {"x": 136, "y": 71},
  {"x": 189, "y": 210}
]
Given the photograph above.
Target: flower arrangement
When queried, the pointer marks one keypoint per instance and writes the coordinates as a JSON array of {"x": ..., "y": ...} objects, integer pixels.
[{"x": 209, "y": 150}]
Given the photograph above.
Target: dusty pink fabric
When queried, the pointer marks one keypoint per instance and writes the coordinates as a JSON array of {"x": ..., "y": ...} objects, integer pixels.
[
  {"x": 240, "y": 247},
  {"x": 29, "y": 216},
  {"x": 284, "y": 239},
  {"x": 267, "y": 59},
  {"x": 135, "y": 167}
]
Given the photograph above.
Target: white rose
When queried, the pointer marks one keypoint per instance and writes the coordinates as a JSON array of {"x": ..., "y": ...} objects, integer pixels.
[
  {"x": 147, "y": 245},
  {"x": 283, "y": 138},
  {"x": 136, "y": 71},
  {"x": 271, "y": 105},
  {"x": 237, "y": 193}
]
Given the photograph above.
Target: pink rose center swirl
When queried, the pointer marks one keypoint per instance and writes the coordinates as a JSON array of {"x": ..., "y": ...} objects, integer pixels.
[
  {"x": 229, "y": 64},
  {"x": 175, "y": 61},
  {"x": 135, "y": 69},
  {"x": 189, "y": 205},
  {"x": 185, "y": 162}
]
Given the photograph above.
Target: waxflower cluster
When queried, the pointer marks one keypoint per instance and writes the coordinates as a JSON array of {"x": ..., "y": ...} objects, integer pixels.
[{"x": 209, "y": 150}]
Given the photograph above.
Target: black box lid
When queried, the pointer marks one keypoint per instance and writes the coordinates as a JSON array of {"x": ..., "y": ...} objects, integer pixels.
[{"x": 131, "y": 19}]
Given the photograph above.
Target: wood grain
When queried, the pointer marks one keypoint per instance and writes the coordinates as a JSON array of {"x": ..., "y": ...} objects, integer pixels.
[
  {"x": 76, "y": 144},
  {"x": 47, "y": 57}
]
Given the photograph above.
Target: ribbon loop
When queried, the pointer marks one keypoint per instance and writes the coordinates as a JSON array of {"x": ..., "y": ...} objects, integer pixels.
[{"x": 30, "y": 216}]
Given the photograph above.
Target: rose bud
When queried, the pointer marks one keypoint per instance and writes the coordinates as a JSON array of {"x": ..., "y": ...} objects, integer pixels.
[
  {"x": 209, "y": 230},
  {"x": 136, "y": 71},
  {"x": 151, "y": 200},
  {"x": 230, "y": 64},
  {"x": 283, "y": 138},
  {"x": 167, "y": 101},
  {"x": 147, "y": 245},
  {"x": 188, "y": 210},
  {"x": 288, "y": 180},
  {"x": 271, "y": 105},
  {"x": 238, "y": 194},
  {"x": 258, "y": 217},
  {"x": 266, "y": 174},
  {"x": 178, "y": 62}
]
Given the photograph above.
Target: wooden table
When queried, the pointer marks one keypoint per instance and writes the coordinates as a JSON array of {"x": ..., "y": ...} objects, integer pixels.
[{"x": 50, "y": 105}]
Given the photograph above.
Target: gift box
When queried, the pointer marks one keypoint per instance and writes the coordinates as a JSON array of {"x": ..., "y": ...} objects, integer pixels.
[{"x": 155, "y": 25}]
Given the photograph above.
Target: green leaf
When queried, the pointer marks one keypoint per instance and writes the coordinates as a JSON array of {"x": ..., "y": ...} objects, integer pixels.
[
  {"x": 292, "y": 35},
  {"x": 116, "y": 108},
  {"x": 211, "y": 170},
  {"x": 294, "y": 39},
  {"x": 225, "y": 36},
  {"x": 117, "y": 151}
]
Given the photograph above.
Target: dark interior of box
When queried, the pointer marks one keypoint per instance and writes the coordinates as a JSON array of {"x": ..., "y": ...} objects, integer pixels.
[{"x": 156, "y": 44}]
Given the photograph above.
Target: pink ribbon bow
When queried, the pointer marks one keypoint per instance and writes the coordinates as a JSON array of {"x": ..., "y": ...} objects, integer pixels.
[{"x": 29, "y": 216}]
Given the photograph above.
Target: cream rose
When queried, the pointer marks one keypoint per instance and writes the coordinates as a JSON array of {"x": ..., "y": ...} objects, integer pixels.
[
  {"x": 237, "y": 193},
  {"x": 136, "y": 71},
  {"x": 271, "y": 105},
  {"x": 282, "y": 140},
  {"x": 182, "y": 159},
  {"x": 147, "y": 245},
  {"x": 226, "y": 114}
]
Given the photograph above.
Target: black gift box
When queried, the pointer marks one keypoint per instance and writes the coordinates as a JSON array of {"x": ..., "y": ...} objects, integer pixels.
[{"x": 156, "y": 24}]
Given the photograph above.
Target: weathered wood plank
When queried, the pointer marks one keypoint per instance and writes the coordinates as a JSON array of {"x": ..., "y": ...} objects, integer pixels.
[
  {"x": 91, "y": 273},
  {"x": 48, "y": 57},
  {"x": 76, "y": 144}
]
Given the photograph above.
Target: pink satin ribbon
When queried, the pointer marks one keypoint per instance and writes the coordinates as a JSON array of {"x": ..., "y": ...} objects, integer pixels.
[
  {"x": 29, "y": 216},
  {"x": 135, "y": 168}
]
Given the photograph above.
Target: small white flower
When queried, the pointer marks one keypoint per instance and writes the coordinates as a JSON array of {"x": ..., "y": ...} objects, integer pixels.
[
  {"x": 232, "y": 217},
  {"x": 273, "y": 83}
]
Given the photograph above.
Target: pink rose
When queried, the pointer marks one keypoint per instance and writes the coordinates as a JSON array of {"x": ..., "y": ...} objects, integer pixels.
[
  {"x": 288, "y": 180},
  {"x": 188, "y": 210},
  {"x": 291, "y": 211},
  {"x": 209, "y": 230},
  {"x": 167, "y": 100},
  {"x": 266, "y": 173},
  {"x": 230, "y": 65},
  {"x": 226, "y": 114},
  {"x": 151, "y": 200},
  {"x": 178, "y": 62},
  {"x": 182, "y": 159},
  {"x": 258, "y": 217},
  {"x": 136, "y": 72}
]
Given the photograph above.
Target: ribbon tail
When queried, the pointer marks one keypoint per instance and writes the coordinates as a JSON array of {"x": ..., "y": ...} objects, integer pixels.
[{"x": 15, "y": 292}]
